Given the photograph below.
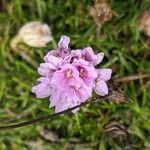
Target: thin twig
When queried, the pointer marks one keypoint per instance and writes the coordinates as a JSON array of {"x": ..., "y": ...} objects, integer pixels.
[{"x": 133, "y": 77}]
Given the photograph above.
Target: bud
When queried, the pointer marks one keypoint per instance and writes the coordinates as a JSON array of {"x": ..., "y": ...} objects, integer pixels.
[
  {"x": 144, "y": 24},
  {"x": 35, "y": 34},
  {"x": 101, "y": 12}
]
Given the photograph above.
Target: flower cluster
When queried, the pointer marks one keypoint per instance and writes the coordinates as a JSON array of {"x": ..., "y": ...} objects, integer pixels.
[{"x": 69, "y": 76}]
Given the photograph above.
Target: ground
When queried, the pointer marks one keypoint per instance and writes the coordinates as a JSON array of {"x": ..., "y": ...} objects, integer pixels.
[{"x": 126, "y": 52}]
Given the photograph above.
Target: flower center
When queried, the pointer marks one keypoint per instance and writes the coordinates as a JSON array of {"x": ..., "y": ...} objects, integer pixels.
[
  {"x": 97, "y": 81},
  {"x": 81, "y": 72},
  {"x": 83, "y": 57},
  {"x": 78, "y": 87},
  {"x": 69, "y": 73}
]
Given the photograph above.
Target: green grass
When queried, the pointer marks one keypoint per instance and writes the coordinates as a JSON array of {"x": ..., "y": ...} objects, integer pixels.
[{"x": 125, "y": 50}]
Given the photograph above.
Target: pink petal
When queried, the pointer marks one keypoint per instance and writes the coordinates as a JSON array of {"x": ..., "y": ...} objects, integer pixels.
[
  {"x": 58, "y": 80},
  {"x": 55, "y": 53},
  {"x": 84, "y": 62},
  {"x": 101, "y": 88},
  {"x": 84, "y": 93},
  {"x": 91, "y": 57},
  {"x": 62, "y": 105},
  {"x": 46, "y": 69},
  {"x": 54, "y": 98},
  {"x": 44, "y": 80},
  {"x": 89, "y": 72},
  {"x": 104, "y": 74},
  {"x": 89, "y": 50},
  {"x": 64, "y": 42},
  {"x": 74, "y": 55},
  {"x": 73, "y": 103},
  {"x": 49, "y": 58},
  {"x": 88, "y": 54},
  {"x": 42, "y": 90},
  {"x": 99, "y": 58},
  {"x": 66, "y": 103}
]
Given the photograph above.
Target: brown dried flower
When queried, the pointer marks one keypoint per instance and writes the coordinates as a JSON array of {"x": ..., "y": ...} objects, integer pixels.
[
  {"x": 144, "y": 24},
  {"x": 115, "y": 129},
  {"x": 101, "y": 12},
  {"x": 118, "y": 97},
  {"x": 116, "y": 94},
  {"x": 35, "y": 34}
]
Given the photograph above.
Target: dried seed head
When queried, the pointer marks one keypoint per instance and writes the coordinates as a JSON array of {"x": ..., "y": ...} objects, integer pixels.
[
  {"x": 116, "y": 95},
  {"x": 35, "y": 34},
  {"x": 101, "y": 12},
  {"x": 144, "y": 24},
  {"x": 115, "y": 129}
]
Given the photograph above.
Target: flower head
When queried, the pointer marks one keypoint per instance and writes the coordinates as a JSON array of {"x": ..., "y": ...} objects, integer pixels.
[
  {"x": 35, "y": 34},
  {"x": 101, "y": 12},
  {"x": 145, "y": 22},
  {"x": 69, "y": 77}
]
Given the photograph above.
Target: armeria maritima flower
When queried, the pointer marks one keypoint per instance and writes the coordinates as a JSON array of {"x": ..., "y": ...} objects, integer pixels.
[
  {"x": 34, "y": 34},
  {"x": 69, "y": 76}
]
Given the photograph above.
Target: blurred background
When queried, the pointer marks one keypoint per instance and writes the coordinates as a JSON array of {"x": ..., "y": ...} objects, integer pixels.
[{"x": 127, "y": 52}]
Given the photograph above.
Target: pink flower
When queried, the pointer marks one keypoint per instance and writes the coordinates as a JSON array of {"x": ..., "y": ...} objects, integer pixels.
[
  {"x": 87, "y": 73},
  {"x": 88, "y": 55},
  {"x": 100, "y": 83},
  {"x": 63, "y": 48},
  {"x": 71, "y": 90},
  {"x": 74, "y": 55},
  {"x": 74, "y": 95},
  {"x": 69, "y": 77},
  {"x": 50, "y": 66},
  {"x": 43, "y": 89}
]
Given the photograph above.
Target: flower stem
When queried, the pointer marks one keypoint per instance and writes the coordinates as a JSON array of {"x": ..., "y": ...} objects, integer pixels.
[
  {"x": 50, "y": 116},
  {"x": 15, "y": 47}
]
